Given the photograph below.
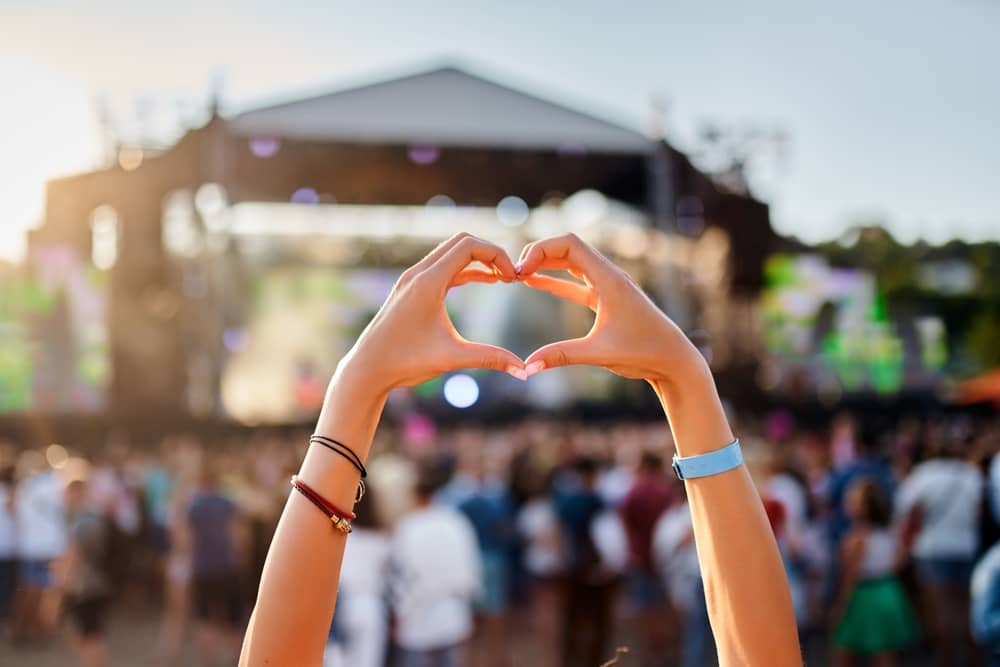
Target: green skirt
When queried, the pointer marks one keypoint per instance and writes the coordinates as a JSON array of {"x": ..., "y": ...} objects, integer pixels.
[{"x": 878, "y": 618}]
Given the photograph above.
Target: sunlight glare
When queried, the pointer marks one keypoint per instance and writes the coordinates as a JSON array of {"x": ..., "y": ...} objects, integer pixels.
[{"x": 50, "y": 130}]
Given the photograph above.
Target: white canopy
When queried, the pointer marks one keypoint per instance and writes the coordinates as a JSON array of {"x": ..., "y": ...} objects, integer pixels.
[{"x": 443, "y": 107}]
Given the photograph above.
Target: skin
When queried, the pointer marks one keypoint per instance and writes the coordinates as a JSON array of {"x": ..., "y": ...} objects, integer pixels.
[{"x": 412, "y": 340}]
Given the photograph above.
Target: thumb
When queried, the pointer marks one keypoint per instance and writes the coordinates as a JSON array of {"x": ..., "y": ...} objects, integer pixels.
[
  {"x": 481, "y": 355},
  {"x": 563, "y": 353}
]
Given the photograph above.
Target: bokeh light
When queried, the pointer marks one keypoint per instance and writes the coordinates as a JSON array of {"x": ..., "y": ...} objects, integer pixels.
[
  {"x": 264, "y": 147},
  {"x": 461, "y": 391},
  {"x": 423, "y": 155},
  {"x": 512, "y": 211},
  {"x": 130, "y": 158},
  {"x": 56, "y": 455},
  {"x": 305, "y": 196}
]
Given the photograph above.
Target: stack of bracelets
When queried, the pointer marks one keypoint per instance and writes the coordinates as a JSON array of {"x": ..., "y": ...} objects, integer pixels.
[{"x": 340, "y": 518}]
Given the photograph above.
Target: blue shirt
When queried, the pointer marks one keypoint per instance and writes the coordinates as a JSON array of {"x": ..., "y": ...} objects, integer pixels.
[
  {"x": 985, "y": 615},
  {"x": 210, "y": 516}
]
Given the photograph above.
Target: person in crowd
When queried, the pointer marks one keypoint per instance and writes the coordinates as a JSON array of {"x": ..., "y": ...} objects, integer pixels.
[
  {"x": 436, "y": 580},
  {"x": 677, "y": 563},
  {"x": 176, "y": 571},
  {"x": 212, "y": 518},
  {"x": 362, "y": 615},
  {"x": 489, "y": 508},
  {"x": 861, "y": 457},
  {"x": 8, "y": 542},
  {"x": 86, "y": 581},
  {"x": 41, "y": 535},
  {"x": 650, "y": 496},
  {"x": 939, "y": 504},
  {"x": 544, "y": 561},
  {"x": 588, "y": 588},
  {"x": 872, "y": 616},
  {"x": 985, "y": 612}
]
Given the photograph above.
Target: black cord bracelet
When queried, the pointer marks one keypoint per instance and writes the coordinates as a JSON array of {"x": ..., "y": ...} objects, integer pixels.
[{"x": 341, "y": 449}]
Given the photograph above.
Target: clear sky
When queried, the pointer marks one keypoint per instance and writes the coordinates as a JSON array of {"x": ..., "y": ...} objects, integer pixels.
[{"x": 893, "y": 107}]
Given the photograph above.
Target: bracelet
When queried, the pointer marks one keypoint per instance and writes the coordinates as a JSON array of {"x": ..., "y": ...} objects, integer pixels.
[
  {"x": 340, "y": 519},
  {"x": 710, "y": 463},
  {"x": 341, "y": 449}
]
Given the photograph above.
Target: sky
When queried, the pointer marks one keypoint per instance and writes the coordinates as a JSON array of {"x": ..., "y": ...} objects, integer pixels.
[{"x": 891, "y": 107}]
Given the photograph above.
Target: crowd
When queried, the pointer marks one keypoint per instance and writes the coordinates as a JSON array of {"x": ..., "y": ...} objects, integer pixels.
[{"x": 539, "y": 542}]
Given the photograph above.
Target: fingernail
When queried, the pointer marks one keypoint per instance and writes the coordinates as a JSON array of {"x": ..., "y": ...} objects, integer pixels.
[
  {"x": 519, "y": 373},
  {"x": 534, "y": 367}
]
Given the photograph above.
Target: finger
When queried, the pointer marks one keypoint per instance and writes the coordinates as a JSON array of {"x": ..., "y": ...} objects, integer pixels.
[
  {"x": 564, "y": 289},
  {"x": 491, "y": 357},
  {"x": 567, "y": 251},
  {"x": 439, "y": 251},
  {"x": 564, "y": 353},
  {"x": 474, "y": 276},
  {"x": 472, "y": 249}
]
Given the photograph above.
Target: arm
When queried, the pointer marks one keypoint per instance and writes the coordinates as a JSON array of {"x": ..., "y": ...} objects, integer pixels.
[
  {"x": 410, "y": 340},
  {"x": 850, "y": 562},
  {"x": 749, "y": 603}
]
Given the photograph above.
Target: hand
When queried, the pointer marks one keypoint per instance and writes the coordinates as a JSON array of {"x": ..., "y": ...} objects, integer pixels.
[
  {"x": 630, "y": 336},
  {"x": 412, "y": 339}
]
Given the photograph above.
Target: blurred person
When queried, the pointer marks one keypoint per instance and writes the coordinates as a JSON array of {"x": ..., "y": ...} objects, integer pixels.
[
  {"x": 86, "y": 581},
  {"x": 588, "y": 588},
  {"x": 362, "y": 616},
  {"x": 8, "y": 545},
  {"x": 649, "y": 497},
  {"x": 939, "y": 505},
  {"x": 543, "y": 557},
  {"x": 212, "y": 519},
  {"x": 436, "y": 579},
  {"x": 676, "y": 559},
  {"x": 855, "y": 458},
  {"x": 873, "y": 618},
  {"x": 411, "y": 340},
  {"x": 985, "y": 613},
  {"x": 489, "y": 508},
  {"x": 41, "y": 539},
  {"x": 177, "y": 572}
]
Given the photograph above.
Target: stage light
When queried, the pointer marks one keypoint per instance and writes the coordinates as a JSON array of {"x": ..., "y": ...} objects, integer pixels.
[
  {"x": 305, "y": 196},
  {"x": 512, "y": 211},
  {"x": 441, "y": 201},
  {"x": 264, "y": 147},
  {"x": 423, "y": 155},
  {"x": 461, "y": 391}
]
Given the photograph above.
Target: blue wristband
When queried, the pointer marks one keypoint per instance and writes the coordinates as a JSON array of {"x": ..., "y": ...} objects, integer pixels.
[{"x": 712, "y": 463}]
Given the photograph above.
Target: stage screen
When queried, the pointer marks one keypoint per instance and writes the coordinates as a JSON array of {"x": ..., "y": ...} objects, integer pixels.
[
  {"x": 54, "y": 355},
  {"x": 831, "y": 326}
]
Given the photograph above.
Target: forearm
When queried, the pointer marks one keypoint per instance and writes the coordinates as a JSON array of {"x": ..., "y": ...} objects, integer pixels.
[
  {"x": 298, "y": 587},
  {"x": 749, "y": 603}
]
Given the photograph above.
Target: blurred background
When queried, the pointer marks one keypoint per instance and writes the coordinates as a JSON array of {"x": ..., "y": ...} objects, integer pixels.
[{"x": 203, "y": 204}]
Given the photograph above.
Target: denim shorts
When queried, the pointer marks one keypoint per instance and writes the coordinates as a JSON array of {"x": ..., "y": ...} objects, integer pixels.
[
  {"x": 645, "y": 590},
  {"x": 944, "y": 570},
  {"x": 36, "y": 573}
]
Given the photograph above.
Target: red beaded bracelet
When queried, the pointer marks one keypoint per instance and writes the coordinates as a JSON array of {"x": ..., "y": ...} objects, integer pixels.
[{"x": 341, "y": 519}]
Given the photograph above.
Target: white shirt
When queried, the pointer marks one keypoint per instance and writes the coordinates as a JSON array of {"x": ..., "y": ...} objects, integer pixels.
[
  {"x": 8, "y": 529},
  {"x": 436, "y": 577},
  {"x": 538, "y": 525},
  {"x": 675, "y": 554},
  {"x": 361, "y": 609},
  {"x": 41, "y": 522},
  {"x": 949, "y": 492}
]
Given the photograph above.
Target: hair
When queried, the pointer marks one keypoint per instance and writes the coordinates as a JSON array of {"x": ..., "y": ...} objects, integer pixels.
[
  {"x": 874, "y": 507},
  {"x": 367, "y": 512},
  {"x": 651, "y": 462}
]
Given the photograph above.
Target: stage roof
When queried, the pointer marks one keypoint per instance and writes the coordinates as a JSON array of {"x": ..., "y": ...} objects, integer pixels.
[{"x": 442, "y": 107}]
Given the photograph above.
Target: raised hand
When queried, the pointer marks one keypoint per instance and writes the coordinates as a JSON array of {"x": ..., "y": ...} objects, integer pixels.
[
  {"x": 631, "y": 336},
  {"x": 412, "y": 339}
]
